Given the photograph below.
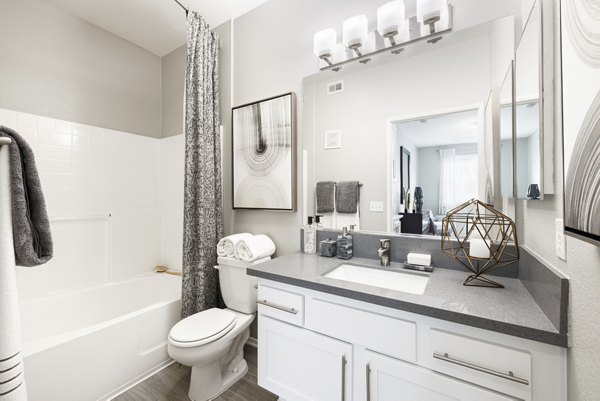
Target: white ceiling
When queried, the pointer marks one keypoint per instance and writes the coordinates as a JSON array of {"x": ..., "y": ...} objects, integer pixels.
[
  {"x": 448, "y": 129},
  {"x": 156, "y": 25},
  {"x": 462, "y": 127}
]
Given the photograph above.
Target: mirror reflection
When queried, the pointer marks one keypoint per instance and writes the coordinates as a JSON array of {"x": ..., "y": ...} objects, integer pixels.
[
  {"x": 426, "y": 154},
  {"x": 528, "y": 128}
]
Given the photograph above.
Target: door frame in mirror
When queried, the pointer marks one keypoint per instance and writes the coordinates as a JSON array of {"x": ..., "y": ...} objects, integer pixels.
[
  {"x": 392, "y": 145},
  {"x": 404, "y": 152}
]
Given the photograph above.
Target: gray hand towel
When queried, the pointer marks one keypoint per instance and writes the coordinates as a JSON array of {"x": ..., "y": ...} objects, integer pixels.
[
  {"x": 346, "y": 197},
  {"x": 31, "y": 227},
  {"x": 325, "y": 191}
]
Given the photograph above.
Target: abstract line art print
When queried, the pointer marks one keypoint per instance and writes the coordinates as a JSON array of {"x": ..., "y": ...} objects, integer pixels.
[
  {"x": 264, "y": 151},
  {"x": 580, "y": 38}
]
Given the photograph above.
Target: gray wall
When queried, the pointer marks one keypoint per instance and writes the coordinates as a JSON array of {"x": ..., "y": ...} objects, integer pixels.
[
  {"x": 270, "y": 54},
  {"x": 173, "y": 85},
  {"x": 583, "y": 259},
  {"x": 56, "y": 65}
]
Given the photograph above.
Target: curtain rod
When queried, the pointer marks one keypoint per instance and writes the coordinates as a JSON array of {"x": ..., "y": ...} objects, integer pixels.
[{"x": 182, "y": 6}]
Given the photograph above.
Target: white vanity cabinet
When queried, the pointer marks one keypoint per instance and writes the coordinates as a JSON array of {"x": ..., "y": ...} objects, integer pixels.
[
  {"x": 322, "y": 347},
  {"x": 298, "y": 364},
  {"x": 388, "y": 379}
]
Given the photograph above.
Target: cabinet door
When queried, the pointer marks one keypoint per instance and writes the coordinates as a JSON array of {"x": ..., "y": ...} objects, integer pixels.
[
  {"x": 388, "y": 379},
  {"x": 300, "y": 365}
]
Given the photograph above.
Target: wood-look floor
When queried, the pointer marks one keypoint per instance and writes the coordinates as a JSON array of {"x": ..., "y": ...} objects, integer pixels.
[{"x": 172, "y": 384}]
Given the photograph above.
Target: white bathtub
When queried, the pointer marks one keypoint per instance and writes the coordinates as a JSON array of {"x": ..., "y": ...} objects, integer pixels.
[{"x": 91, "y": 344}]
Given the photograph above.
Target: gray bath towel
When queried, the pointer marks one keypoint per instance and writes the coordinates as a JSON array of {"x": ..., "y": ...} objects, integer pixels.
[
  {"x": 31, "y": 227},
  {"x": 325, "y": 192},
  {"x": 347, "y": 196}
]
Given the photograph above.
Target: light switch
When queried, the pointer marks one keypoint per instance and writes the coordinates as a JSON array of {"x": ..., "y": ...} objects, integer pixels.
[{"x": 376, "y": 206}]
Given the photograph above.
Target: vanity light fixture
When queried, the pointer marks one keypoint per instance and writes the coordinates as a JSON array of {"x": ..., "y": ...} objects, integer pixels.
[
  {"x": 393, "y": 23},
  {"x": 390, "y": 19},
  {"x": 355, "y": 32},
  {"x": 431, "y": 11},
  {"x": 324, "y": 43}
]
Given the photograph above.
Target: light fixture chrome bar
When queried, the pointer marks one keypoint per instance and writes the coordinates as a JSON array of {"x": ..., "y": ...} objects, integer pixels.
[{"x": 395, "y": 48}]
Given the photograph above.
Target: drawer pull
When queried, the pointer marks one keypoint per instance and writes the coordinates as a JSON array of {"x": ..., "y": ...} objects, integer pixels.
[
  {"x": 280, "y": 307},
  {"x": 368, "y": 375},
  {"x": 510, "y": 376},
  {"x": 343, "y": 377}
]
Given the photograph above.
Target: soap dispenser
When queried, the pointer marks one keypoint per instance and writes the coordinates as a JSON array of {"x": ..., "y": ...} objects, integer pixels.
[
  {"x": 318, "y": 223},
  {"x": 310, "y": 237},
  {"x": 344, "y": 245}
]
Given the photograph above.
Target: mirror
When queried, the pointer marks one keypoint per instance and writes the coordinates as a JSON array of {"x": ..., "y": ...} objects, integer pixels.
[
  {"x": 507, "y": 120},
  {"x": 528, "y": 133},
  {"x": 415, "y": 122}
]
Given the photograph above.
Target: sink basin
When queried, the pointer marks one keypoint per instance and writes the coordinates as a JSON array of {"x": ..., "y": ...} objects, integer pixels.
[{"x": 390, "y": 279}]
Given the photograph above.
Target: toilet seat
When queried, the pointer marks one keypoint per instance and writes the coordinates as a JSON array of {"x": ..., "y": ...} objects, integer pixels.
[{"x": 202, "y": 328}]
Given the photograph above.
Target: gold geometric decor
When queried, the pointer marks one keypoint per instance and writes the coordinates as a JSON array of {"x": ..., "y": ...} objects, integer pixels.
[{"x": 481, "y": 238}]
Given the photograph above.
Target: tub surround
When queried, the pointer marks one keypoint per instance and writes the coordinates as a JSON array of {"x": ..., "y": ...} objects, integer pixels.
[{"x": 511, "y": 310}]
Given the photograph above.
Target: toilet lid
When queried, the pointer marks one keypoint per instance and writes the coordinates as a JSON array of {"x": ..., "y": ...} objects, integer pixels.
[{"x": 206, "y": 325}]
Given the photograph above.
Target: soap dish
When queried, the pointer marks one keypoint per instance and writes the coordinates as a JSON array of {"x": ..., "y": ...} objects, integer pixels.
[{"x": 421, "y": 268}]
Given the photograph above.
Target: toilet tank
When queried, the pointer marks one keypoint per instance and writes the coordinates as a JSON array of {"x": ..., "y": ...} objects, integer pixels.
[{"x": 237, "y": 288}]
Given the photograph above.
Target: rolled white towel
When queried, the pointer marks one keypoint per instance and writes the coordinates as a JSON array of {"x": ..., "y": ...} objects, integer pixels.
[
  {"x": 253, "y": 248},
  {"x": 226, "y": 246}
]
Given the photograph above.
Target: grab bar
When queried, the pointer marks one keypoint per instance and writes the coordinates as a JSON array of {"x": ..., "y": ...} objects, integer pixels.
[{"x": 104, "y": 216}]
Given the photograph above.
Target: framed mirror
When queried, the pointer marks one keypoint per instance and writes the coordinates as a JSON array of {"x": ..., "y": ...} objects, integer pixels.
[
  {"x": 413, "y": 121},
  {"x": 528, "y": 134},
  {"x": 404, "y": 173}
]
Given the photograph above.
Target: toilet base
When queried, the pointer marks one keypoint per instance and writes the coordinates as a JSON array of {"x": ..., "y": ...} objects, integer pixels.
[
  {"x": 203, "y": 387},
  {"x": 210, "y": 380}
]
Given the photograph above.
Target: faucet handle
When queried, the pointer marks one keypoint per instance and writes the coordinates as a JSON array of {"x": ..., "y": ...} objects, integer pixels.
[{"x": 384, "y": 243}]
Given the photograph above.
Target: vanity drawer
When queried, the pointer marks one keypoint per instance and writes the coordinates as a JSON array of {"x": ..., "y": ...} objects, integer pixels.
[
  {"x": 281, "y": 304},
  {"x": 376, "y": 332},
  {"x": 493, "y": 366}
]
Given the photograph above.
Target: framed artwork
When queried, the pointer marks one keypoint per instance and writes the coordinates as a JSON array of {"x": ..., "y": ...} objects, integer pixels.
[
  {"x": 264, "y": 154},
  {"x": 580, "y": 51}
]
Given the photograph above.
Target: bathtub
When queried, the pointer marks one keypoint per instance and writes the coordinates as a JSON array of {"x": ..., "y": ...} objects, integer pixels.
[{"x": 94, "y": 343}]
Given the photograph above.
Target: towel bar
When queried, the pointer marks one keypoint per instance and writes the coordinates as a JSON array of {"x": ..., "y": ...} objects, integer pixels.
[{"x": 5, "y": 140}]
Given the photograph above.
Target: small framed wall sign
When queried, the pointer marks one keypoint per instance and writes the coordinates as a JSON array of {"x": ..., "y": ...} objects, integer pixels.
[
  {"x": 580, "y": 48},
  {"x": 264, "y": 154}
]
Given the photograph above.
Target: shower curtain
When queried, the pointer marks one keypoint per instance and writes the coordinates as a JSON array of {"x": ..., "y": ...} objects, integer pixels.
[{"x": 203, "y": 209}]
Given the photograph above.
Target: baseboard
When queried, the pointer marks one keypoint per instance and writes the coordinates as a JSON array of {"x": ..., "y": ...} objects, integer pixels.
[
  {"x": 252, "y": 342},
  {"x": 136, "y": 381}
]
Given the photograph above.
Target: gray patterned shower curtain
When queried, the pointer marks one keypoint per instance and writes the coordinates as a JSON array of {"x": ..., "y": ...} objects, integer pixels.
[{"x": 203, "y": 211}]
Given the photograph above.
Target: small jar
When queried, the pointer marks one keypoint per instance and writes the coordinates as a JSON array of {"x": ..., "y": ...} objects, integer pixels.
[{"x": 328, "y": 248}]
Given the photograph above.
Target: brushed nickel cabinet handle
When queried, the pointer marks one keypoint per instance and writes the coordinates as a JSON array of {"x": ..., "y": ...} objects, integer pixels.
[
  {"x": 343, "y": 377},
  {"x": 508, "y": 376},
  {"x": 368, "y": 376},
  {"x": 276, "y": 306}
]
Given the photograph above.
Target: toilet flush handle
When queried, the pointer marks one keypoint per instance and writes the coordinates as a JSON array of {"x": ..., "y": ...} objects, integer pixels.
[{"x": 217, "y": 267}]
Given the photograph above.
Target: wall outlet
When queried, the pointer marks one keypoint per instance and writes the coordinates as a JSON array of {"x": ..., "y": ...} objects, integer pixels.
[
  {"x": 559, "y": 239},
  {"x": 376, "y": 206}
]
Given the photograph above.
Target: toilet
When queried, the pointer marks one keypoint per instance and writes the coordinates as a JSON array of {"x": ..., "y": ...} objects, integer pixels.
[{"x": 212, "y": 341}]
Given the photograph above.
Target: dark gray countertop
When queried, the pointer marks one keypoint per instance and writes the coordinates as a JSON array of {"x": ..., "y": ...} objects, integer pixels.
[{"x": 511, "y": 310}]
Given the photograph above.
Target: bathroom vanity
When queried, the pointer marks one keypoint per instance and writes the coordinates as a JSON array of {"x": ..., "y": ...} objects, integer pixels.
[{"x": 326, "y": 338}]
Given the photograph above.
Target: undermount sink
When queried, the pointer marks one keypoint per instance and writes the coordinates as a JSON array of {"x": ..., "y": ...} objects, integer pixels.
[{"x": 413, "y": 283}]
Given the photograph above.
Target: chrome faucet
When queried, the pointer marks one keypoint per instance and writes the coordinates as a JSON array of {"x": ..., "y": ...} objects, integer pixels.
[{"x": 384, "y": 252}]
